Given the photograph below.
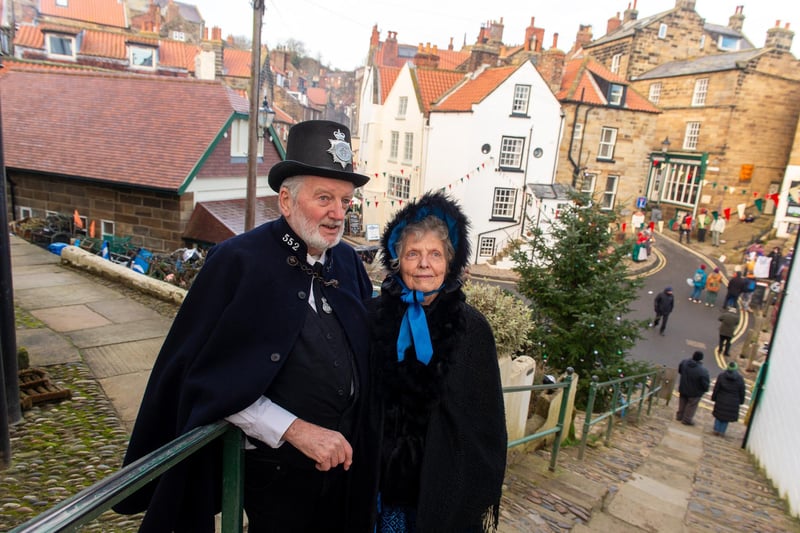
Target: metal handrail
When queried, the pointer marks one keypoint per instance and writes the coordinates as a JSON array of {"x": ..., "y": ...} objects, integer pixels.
[
  {"x": 620, "y": 401},
  {"x": 558, "y": 429},
  {"x": 92, "y": 501}
]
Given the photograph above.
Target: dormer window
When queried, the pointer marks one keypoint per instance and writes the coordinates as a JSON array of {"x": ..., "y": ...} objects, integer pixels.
[
  {"x": 728, "y": 42},
  {"x": 178, "y": 36},
  {"x": 61, "y": 45},
  {"x": 616, "y": 92},
  {"x": 142, "y": 57}
]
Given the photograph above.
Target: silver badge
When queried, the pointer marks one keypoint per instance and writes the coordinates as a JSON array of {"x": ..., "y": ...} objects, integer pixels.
[{"x": 340, "y": 149}]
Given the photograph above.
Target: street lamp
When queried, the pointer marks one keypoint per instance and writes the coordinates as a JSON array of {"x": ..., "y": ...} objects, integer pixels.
[
  {"x": 265, "y": 117},
  {"x": 665, "y": 145}
]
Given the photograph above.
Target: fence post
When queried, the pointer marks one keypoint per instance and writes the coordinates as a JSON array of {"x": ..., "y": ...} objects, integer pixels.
[
  {"x": 588, "y": 415},
  {"x": 232, "y": 482},
  {"x": 564, "y": 402},
  {"x": 614, "y": 403}
]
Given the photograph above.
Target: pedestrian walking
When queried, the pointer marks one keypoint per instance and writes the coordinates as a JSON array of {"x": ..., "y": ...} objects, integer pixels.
[
  {"x": 735, "y": 288},
  {"x": 694, "y": 383},
  {"x": 717, "y": 229},
  {"x": 748, "y": 290},
  {"x": 729, "y": 319},
  {"x": 698, "y": 283},
  {"x": 663, "y": 304},
  {"x": 713, "y": 284},
  {"x": 727, "y": 396},
  {"x": 776, "y": 258}
]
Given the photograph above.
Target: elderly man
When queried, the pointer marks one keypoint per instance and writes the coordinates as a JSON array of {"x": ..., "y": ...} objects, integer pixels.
[{"x": 272, "y": 337}]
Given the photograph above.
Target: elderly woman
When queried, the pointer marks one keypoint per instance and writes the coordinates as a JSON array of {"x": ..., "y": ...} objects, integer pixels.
[{"x": 438, "y": 405}]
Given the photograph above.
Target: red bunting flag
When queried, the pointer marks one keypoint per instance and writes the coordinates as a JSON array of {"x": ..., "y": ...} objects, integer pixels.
[
  {"x": 77, "y": 219},
  {"x": 624, "y": 226},
  {"x": 727, "y": 213}
]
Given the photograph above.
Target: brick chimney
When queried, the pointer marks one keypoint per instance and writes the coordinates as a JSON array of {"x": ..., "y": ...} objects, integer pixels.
[
  {"x": 631, "y": 14},
  {"x": 736, "y": 22},
  {"x": 779, "y": 38},
  {"x": 533, "y": 38},
  {"x": 390, "y": 50},
  {"x": 584, "y": 36},
  {"x": 613, "y": 24},
  {"x": 375, "y": 38},
  {"x": 551, "y": 66},
  {"x": 687, "y": 5},
  {"x": 450, "y": 46},
  {"x": 427, "y": 56}
]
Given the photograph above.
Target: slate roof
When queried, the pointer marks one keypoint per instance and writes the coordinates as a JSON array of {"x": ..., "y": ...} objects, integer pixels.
[
  {"x": 143, "y": 131},
  {"x": 555, "y": 191},
  {"x": 189, "y": 12},
  {"x": 105, "y": 12},
  {"x": 701, "y": 65},
  {"x": 473, "y": 91},
  {"x": 213, "y": 222}
]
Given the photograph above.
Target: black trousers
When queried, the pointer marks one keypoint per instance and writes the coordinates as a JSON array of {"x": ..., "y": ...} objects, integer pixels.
[
  {"x": 724, "y": 341},
  {"x": 663, "y": 319},
  {"x": 280, "y": 498}
]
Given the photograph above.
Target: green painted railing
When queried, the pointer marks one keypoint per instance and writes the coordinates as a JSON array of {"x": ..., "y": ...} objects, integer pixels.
[
  {"x": 91, "y": 502},
  {"x": 623, "y": 392},
  {"x": 558, "y": 429}
]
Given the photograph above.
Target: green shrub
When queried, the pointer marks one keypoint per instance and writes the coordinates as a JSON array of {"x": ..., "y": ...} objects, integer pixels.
[{"x": 508, "y": 316}]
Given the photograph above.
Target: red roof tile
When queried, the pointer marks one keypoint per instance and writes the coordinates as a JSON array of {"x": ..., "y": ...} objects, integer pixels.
[
  {"x": 29, "y": 36},
  {"x": 386, "y": 78},
  {"x": 474, "y": 90},
  {"x": 433, "y": 83},
  {"x": 106, "y": 12},
  {"x": 317, "y": 96},
  {"x": 237, "y": 62},
  {"x": 579, "y": 84},
  {"x": 147, "y": 131},
  {"x": 213, "y": 222},
  {"x": 450, "y": 59}
]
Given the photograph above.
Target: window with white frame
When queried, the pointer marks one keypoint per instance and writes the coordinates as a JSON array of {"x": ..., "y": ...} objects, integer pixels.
[
  {"x": 408, "y": 149},
  {"x": 655, "y": 92},
  {"x": 728, "y": 43},
  {"x": 240, "y": 135},
  {"x": 25, "y": 212},
  {"x": 107, "y": 228},
  {"x": 394, "y": 145},
  {"x": 702, "y": 42},
  {"x": 504, "y": 203},
  {"x": 700, "y": 92},
  {"x": 399, "y": 187},
  {"x": 587, "y": 185},
  {"x": 615, "y": 94},
  {"x": 486, "y": 247},
  {"x": 511, "y": 152},
  {"x": 402, "y": 106},
  {"x": 48, "y": 213},
  {"x": 616, "y": 59},
  {"x": 691, "y": 136},
  {"x": 178, "y": 36},
  {"x": 662, "y": 31},
  {"x": 681, "y": 183},
  {"x": 610, "y": 193},
  {"x": 62, "y": 3},
  {"x": 142, "y": 57},
  {"x": 522, "y": 95},
  {"x": 61, "y": 45},
  {"x": 608, "y": 139},
  {"x": 577, "y": 131}
]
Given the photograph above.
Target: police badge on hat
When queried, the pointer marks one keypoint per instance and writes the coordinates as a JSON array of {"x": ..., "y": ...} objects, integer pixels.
[{"x": 340, "y": 149}]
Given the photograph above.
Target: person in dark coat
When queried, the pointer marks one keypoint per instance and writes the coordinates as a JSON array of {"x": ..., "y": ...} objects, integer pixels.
[
  {"x": 438, "y": 413},
  {"x": 663, "y": 304},
  {"x": 272, "y": 336},
  {"x": 727, "y": 396},
  {"x": 694, "y": 384},
  {"x": 729, "y": 319},
  {"x": 736, "y": 287},
  {"x": 776, "y": 258}
]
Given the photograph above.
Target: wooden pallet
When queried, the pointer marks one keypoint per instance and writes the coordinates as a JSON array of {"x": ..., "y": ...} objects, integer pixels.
[{"x": 35, "y": 387}]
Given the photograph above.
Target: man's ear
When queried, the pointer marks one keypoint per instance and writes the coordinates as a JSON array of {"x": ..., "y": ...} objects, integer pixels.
[{"x": 284, "y": 202}]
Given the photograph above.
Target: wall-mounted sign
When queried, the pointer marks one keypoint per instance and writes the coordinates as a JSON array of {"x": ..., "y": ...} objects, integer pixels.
[{"x": 373, "y": 232}]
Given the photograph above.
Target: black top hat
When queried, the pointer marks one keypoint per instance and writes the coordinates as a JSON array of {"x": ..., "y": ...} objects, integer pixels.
[{"x": 317, "y": 148}]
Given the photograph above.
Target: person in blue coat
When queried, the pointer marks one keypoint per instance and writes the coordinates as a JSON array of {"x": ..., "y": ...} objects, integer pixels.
[
  {"x": 698, "y": 283},
  {"x": 272, "y": 336}
]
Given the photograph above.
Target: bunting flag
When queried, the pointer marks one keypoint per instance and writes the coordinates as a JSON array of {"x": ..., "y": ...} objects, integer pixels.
[
  {"x": 760, "y": 204},
  {"x": 104, "y": 252},
  {"x": 77, "y": 219},
  {"x": 91, "y": 229},
  {"x": 774, "y": 198},
  {"x": 727, "y": 212},
  {"x": 715, "y": 214}
]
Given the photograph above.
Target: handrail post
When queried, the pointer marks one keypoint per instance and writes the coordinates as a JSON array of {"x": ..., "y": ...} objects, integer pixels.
[
  {"x": 588, "y": 415},
  {"x": 232, "y": 482},
  {"x": 642, "y": 396},
  {"x": 561, "y": 413},
  {"x": 614, "y": 404}
]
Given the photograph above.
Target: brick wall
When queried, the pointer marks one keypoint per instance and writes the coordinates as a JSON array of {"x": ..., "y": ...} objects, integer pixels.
[{"x": 155, "y": 220}]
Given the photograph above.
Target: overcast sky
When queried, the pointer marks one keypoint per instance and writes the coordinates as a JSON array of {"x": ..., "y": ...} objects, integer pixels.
[{"x": 338, "y": 31}]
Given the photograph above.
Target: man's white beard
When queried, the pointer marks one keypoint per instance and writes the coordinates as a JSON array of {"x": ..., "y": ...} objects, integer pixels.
[{"x": 309, "y": 232}]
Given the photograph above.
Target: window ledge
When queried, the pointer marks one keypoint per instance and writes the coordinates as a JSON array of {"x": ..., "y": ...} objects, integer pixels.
[
  {"x": 604, "y": 160},
  {"x": 519, "y": 115},
  {"x": 511, "y": 169},
  {"x": 502, "y": 219}
]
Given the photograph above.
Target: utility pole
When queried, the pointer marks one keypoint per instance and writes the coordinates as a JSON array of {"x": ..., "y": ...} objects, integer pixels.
[{"x": 252, "y": 130}]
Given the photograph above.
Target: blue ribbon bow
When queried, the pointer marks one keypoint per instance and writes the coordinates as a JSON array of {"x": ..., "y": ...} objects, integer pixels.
[{"x": 414, "y": 326}]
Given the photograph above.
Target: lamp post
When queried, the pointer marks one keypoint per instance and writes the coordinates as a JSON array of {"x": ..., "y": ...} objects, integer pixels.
[{"x": 665, "y": 145}]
